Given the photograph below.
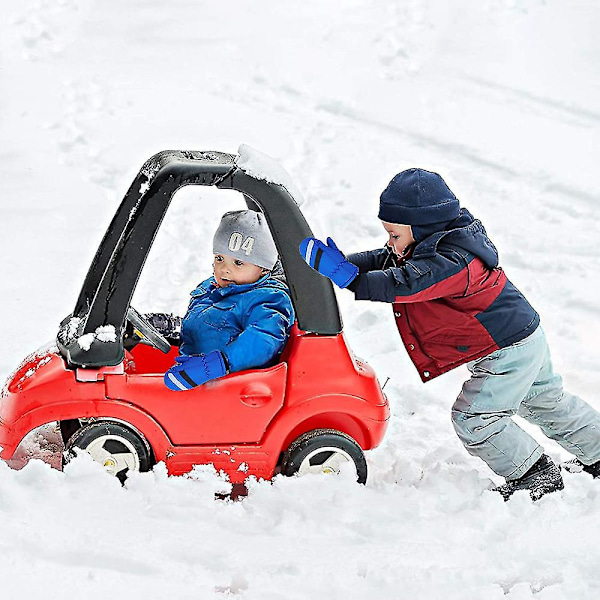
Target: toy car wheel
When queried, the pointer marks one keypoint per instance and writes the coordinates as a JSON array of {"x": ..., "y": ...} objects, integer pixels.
[
  {"x": 117, "y": 448},
  {"x": 324, "y": 451},
  {"x": 68, "y": 428}
]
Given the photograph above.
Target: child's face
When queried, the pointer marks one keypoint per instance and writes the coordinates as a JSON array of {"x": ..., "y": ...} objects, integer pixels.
[
  {"x": 230, "y": 270},
  {"x": 400, "y": 237}
]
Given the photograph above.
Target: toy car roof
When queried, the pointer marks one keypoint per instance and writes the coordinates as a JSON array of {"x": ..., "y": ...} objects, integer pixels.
[{"x": 115, "y": 269}]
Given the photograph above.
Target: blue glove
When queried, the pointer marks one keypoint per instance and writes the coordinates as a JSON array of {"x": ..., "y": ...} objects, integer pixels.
[
  {"x": 328, "y": 260},
  {"x": 189, "y": 372}
]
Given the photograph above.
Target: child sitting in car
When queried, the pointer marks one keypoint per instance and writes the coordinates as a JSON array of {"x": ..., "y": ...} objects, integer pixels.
[{"x": 241, "y": 316}]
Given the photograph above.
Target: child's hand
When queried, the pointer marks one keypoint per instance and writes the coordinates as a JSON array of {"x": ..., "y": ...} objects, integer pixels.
[
  {"x": 328, "y": 260},
  {"x": 192, "y": 371}
]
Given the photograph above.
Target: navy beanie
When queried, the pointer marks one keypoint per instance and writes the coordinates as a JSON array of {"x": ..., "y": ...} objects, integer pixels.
[{"x": 421, "y": 199}]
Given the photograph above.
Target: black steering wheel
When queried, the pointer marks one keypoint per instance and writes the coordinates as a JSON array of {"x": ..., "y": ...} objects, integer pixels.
[{"x": 147, "y": 332}]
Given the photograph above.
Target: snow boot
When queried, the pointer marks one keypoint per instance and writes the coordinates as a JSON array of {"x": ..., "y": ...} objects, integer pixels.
[
  {"x": 542, "y": 478},
  {"x": 576, "y": 466}
]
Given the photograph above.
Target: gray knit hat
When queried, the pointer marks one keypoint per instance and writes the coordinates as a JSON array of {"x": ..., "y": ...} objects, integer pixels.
[{"x": 245, "y": 235}]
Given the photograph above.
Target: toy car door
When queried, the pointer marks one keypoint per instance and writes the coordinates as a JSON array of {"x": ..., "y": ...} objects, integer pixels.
[{"x": 233, "y": 409}]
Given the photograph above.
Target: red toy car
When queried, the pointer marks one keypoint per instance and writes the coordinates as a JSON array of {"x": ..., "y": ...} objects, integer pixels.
[{"x": 314, "y": 411}]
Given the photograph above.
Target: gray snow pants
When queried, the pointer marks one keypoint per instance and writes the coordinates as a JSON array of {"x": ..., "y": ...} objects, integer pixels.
[{"x": 520, "y": 380}]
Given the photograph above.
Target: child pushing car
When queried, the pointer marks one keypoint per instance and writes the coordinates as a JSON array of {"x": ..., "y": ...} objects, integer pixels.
[
  {"x": 237, "y": 319},
  {"x": 454, "y": 305}
]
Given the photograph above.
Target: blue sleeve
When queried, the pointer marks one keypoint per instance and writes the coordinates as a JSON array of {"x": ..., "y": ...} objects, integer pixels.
[{"x": 265, "y": 331}]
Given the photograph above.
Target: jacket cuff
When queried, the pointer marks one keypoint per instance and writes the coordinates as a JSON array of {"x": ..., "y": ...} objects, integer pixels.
[
  {"x": 375, "y": 286},
  {"x": 360, "y": 287},
  {"x": 225, "y": 362},
  {"x": 353, "y": 284}
]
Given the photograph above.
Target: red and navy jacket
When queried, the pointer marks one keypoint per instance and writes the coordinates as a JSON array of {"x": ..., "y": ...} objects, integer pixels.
[{"x": 451, "y": 300}]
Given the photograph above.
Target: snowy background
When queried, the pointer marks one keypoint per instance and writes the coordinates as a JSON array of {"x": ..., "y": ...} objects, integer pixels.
[{"x": 501, "y": 97}]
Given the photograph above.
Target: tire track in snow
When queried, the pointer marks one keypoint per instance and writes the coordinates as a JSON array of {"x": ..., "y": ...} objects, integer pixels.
[
  {"x": 335, "y": 108},
  {"x": 288, "y": 100},
  {"x": 554, "y": 109}
]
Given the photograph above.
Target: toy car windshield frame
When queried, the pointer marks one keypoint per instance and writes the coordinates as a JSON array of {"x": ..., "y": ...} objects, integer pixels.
[{"x": 113, "y": 275}]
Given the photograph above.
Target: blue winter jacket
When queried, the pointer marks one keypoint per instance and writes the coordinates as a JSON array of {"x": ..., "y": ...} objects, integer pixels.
[{"x": 248, "y": 323}]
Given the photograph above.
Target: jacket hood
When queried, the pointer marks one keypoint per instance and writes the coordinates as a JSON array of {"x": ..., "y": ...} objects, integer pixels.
[{"x": 467, "y": 233}]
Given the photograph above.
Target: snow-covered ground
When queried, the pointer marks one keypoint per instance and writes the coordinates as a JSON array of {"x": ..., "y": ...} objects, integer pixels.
[{"x": 501, "y": 97}]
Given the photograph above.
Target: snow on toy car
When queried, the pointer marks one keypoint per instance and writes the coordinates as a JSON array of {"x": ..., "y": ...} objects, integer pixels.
[{"x": 316, "y": 410}]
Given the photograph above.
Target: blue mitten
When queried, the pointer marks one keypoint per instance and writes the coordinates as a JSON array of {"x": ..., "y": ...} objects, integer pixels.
[
  {"x": 328, "y": 260},
  {"x": 189, "y": 372}
]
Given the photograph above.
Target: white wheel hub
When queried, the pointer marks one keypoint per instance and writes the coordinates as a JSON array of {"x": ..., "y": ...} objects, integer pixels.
[
  {"x": 114, "y": 453},
  {"x": 328, "y": 460}
]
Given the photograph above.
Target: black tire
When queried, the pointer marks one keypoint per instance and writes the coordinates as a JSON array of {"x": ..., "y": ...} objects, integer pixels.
[
  {"x": 68, "y": 428},
  {"x": 323, "y": 450},
  {"x": 116, "y": 447}
]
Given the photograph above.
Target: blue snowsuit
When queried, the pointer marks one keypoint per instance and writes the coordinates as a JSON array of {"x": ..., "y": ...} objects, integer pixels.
[{"x": 248, "y": 323}]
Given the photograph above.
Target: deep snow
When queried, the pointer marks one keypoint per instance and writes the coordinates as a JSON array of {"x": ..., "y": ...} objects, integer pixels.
[{"x": 499, "y": 96}]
